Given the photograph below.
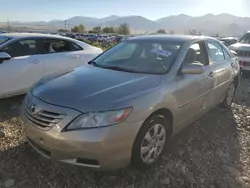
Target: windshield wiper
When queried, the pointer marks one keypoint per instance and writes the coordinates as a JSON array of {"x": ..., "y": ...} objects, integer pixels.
[
  {"x": 118, "y": 69},
  {"x": 111, "y": 67},
  {"x": 92, "y": 63}
]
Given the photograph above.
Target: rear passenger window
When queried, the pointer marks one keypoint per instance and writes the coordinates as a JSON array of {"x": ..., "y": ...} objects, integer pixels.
[
  {"x": 59, "y": 46},
  {"x": 215, "y": 52},
  {"x": 56, "y": 46},
  {"x": 75, "y": 47}
]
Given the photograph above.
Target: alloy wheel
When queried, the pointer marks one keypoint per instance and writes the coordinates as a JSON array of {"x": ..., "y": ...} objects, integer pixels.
[{"x": 153, "y": 143}]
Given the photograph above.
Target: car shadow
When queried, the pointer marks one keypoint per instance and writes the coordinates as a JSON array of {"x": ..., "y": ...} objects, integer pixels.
[
  {"x": 10, "y": 107},
  {"x": 243, "y": 92}
]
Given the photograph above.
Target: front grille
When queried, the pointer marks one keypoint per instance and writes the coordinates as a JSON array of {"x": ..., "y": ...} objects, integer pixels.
[
  {"x": 243, "y": 53},
  {"x": 43, "y": 119}
]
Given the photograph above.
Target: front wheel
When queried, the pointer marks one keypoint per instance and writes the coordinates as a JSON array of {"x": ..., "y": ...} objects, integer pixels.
[
  {"x": 151, "y": 142},
  {"x": 229, "y": 96}
]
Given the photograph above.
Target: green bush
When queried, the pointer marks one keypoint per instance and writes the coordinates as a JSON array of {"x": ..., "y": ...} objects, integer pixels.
[
  {"x": 100, "y": 45},
  {"x": 96, "y": 44}
]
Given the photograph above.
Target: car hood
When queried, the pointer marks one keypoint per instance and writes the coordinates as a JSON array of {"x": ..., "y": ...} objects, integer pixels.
[
  {"x": 240, "y": 46},
  {"x": 90, "y": 88}
]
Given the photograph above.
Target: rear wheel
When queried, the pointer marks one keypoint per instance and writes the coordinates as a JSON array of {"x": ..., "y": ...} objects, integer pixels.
[
  {"x": 244, "y": 73},
  {"x": 229, "y": 96},
  {"x": 151, "y": 142}
]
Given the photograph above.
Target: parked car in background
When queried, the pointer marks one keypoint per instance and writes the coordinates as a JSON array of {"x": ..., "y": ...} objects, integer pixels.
[
  {"x": 26, "y": 57},
  {"x": 242, "y": 48},
  {"x": 229, "y": 40},
  {"x": 125, "y": 104}
]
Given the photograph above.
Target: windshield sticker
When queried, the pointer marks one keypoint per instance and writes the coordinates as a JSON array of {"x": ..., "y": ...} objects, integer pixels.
[{"x": 161, "y": 52}]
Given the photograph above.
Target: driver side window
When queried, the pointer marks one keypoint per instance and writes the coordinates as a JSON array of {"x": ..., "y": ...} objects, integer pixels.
[
  {"x": 196, "y": 53},
  {"x": 21, "y": 48}
]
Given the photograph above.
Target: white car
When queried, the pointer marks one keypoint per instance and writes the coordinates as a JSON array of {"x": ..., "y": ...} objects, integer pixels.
[{"x": 27, "y": 57}]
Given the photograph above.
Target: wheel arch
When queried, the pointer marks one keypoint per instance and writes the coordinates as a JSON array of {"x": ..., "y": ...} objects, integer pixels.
[
  {"x": 162, "y": 112},
  {"x": 236, "y": 81},
  {"x": 165, "y": 113}
]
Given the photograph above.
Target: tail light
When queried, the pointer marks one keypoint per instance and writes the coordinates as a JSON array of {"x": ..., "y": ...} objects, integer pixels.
[{"x": 241, "y": 63}]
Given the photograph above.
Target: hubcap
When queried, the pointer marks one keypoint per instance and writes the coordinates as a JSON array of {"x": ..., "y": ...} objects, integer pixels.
[
  {"x": 230, "y": 94},
  {"x": 153, "y": 143}
]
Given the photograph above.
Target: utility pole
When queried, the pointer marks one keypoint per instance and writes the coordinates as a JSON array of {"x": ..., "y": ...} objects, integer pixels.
[
  {"x": 54, "y": 29},
  {"x": 8, "y": 26},
  {"x": 65, "y": 25}
]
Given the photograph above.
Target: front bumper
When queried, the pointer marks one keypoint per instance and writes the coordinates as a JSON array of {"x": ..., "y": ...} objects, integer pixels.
[{"x": 104, "y": 148}]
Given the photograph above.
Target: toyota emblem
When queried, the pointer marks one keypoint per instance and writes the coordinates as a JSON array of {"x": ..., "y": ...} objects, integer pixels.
[{"x": 33, "y": 108}]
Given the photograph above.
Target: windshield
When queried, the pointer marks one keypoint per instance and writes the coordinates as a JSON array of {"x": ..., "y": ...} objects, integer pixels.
[
  {"x": 152, "y": 57},
  {"x": 245, "y": 38},
  {"x": 3, "y": 39}
]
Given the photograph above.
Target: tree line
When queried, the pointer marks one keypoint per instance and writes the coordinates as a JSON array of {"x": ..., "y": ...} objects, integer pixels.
[
  {"x": 190, "y": 32},
  {"x": 123, "y": 29}
]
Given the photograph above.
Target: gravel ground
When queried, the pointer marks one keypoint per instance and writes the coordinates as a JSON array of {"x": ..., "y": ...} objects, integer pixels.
[{"x": 213, "y": 152}]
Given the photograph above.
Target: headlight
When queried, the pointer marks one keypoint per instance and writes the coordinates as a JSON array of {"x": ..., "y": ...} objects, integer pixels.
[{"x": 99, "y": 119}]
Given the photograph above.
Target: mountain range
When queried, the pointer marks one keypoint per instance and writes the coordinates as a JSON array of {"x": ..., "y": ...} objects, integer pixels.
[{"x": 209, "y": 24}]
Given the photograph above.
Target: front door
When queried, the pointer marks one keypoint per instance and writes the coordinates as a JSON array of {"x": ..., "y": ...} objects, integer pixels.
[
  {"x": 194, "y": 90},
  {"x": 22, "y": 70}
]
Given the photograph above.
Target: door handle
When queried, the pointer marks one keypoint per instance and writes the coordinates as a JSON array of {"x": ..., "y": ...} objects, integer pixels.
[
  {"x": 211, "y": 74},
  {"x": 34, "y": 61}
]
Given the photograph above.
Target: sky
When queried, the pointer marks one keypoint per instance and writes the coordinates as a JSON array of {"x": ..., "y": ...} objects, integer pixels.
[{"x": 46, "y": 10}]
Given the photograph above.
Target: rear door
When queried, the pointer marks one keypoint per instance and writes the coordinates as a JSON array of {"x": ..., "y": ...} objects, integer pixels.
[
  {"x": 23, "y": 69},
  {"x": 60, "y": 55},
  {"x": 221, "y": 65}
]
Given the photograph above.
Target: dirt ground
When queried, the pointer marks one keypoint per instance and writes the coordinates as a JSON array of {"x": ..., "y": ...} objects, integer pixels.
[{"x": 214, "y": 152}]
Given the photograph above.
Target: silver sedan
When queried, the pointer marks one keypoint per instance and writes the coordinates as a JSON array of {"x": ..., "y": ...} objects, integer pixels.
[{"x": 123, "y": 107}]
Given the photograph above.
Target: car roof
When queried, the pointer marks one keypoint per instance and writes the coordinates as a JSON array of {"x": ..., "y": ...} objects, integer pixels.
[
  {"x": 25, "y": 35},
  {"x": 225, "y": 38},
  {"x": 166, "y": 37}
]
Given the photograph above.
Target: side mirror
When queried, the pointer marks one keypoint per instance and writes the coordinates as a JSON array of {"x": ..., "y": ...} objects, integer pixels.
[
  {"x": 4, "y": 56},
  {"x": 193, "y": 68}
]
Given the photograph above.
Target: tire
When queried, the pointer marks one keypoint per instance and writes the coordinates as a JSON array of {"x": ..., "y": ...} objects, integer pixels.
[
  {"x": 139, "y": 159},
  {"x": 244, "y": 74},
  {"x": 227, "y": 102}
]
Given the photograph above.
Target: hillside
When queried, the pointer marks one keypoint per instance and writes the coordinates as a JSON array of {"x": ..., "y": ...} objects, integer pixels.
[{"x": 209, "y": 24}]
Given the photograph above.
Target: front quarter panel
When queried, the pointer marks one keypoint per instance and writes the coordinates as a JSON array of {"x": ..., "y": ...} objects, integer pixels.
[{"x": 146, "y": 103}]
